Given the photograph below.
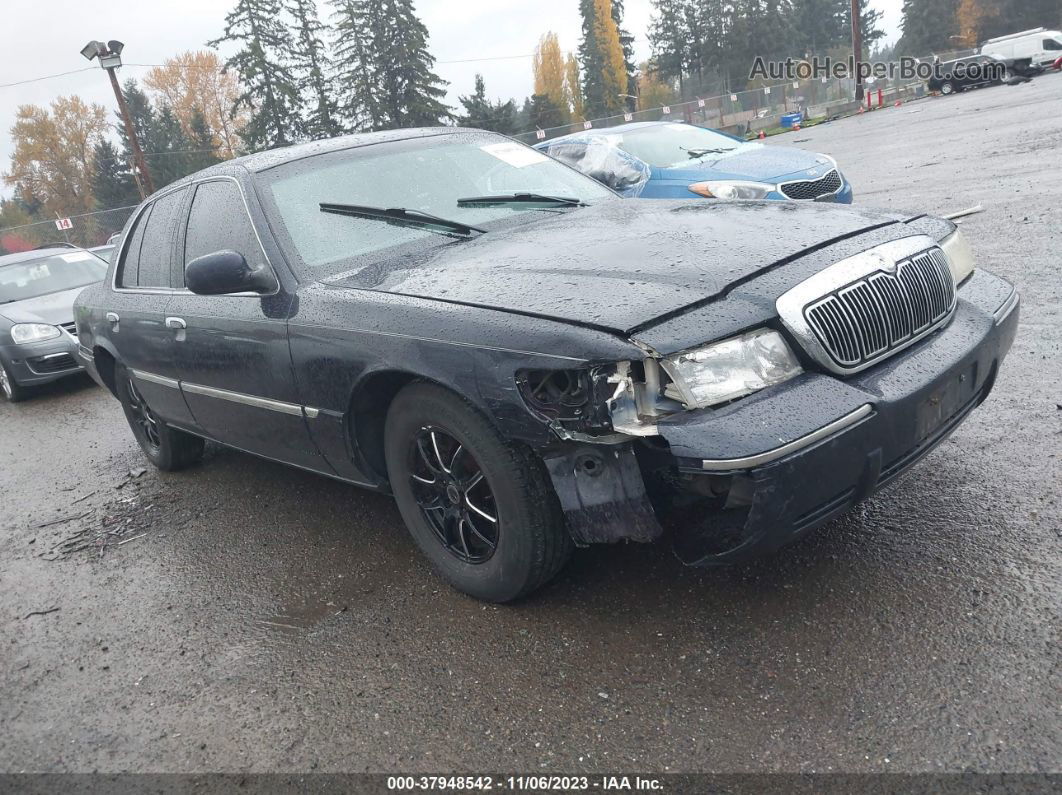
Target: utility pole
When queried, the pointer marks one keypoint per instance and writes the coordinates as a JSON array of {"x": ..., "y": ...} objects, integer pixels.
[
  {"x": 110, "y": 59},
  {"x": 857, "y": 49}
]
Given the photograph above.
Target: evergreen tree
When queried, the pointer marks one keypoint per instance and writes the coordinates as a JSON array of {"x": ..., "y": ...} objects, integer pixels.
[
  {"x": 669, "y": 36},
  {"x": 928, "y": 26},
  {"x": 203, "y": 149},
  {"x": 141, "y": 113},
  {"x": 482, "y": 113},
  {"x": 710, "y": 45},
  {"x": 358, "y": 101},
  {"x": 601, "y": 53},
  {"x": 312, "y": 68},
  {"x": 112, "y": 182},
  {"x": 821, "y": 25},
  {"x": 168, "y": 148},
  {"x": 384, "y": 65},
  {"x": 522, "y": 119},
  {"x": 544, "y": 113},
  {"x": 270, "y": 89}
]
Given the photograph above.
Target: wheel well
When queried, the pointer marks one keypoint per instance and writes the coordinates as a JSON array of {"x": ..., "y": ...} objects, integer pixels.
[
  {"x": 368, "y": 412},
  {"x": 105, "y": 367}
]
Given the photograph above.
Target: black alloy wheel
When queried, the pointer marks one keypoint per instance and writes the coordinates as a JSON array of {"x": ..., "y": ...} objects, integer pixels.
[
  {"x": 454, "y": 495},
  {"x": 142, "y": 416}
]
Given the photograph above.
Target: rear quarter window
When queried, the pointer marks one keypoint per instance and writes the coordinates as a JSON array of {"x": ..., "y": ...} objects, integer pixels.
[
  {"x": 148, "y": 257},
  {"x": 127, "y": 268},
  {"x": 156, "y": 252}
]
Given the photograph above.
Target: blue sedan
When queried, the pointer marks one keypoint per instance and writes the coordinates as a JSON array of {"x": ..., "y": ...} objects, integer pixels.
[{"x": 672, "y": 160}]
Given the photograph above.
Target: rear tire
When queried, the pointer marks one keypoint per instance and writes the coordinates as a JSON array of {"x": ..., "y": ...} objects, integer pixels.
[
  {"x": 435, "y": 444},
  {"x": 11, "y": 391},
  {"x": 167, "y": 448}
]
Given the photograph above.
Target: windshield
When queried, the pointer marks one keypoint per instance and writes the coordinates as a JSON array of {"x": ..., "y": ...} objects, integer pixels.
[
  {"x": 667, "y": 145},
  {"x": 52, "y": 274},
  {"x": 426, "y": 175}
]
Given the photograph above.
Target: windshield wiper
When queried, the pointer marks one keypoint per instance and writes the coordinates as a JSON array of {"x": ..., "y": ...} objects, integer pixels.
[
  {"x": 520, "y": 198},
  {"x": 402, "y": 216},
  {"x": 703, "y": 152}
]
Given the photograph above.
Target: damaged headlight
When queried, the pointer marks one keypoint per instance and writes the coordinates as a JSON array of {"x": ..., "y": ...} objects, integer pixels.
[
  {"x": 960, "y": 256},
  {"x": 726, "y": 370}
]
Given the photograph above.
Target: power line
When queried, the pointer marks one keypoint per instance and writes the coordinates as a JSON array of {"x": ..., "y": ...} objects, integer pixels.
[{"x": 47, "y": 77}]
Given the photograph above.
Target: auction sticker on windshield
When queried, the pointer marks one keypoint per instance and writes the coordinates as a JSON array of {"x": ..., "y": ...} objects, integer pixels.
[{"x": 514, "y": 154}]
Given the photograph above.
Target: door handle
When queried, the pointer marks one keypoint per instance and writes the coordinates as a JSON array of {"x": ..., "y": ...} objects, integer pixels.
[
  {"x": 176, "y": 323},
  {"x": 112, "y": 318}
]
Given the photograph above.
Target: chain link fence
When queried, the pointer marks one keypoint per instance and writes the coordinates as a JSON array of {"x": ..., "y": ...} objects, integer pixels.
[{"x": 85, "y": 230}]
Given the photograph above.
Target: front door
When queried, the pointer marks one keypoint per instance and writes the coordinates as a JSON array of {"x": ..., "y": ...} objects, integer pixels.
[{"x": 232, "y": 351}]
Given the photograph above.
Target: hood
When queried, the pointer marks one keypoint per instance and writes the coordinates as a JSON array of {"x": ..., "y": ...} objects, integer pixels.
[
  {"x": 755, "y": 161},
  {"x": 53, "y": 309},
  {"x": 619, "y": 264}
]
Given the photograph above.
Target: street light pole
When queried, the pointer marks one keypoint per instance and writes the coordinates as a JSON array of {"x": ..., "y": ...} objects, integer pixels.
[
  {"x": 144, "y": 183},
  {"x": 110, "y": 59},
  {"x": 857, "y": 49}
]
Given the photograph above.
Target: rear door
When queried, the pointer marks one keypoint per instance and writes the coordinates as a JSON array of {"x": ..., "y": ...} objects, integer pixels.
[
  {"x": 232, "y": 351},
  {"x": 136, "y": 321}
]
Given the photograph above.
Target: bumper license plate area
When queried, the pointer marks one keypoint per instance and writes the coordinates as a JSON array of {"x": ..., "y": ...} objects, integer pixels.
[{"x": 946, "y": 399}]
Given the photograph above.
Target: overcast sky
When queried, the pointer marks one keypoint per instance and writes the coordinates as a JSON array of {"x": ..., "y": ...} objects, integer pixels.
[{"x": 45, "y": 37}]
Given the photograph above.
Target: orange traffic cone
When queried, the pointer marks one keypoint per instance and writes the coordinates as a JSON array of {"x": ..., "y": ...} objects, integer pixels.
[
  {"x": 762, "y": 135},
  {"x": 898, "y": 103}
]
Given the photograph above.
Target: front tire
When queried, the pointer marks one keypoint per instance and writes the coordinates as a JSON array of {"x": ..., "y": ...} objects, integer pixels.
[
  {"x": 947, "y": 89},
  {"x": 9, "y": 388},
  {"x": 482, "y": 509},
  {"x": 167, "y": 448}
]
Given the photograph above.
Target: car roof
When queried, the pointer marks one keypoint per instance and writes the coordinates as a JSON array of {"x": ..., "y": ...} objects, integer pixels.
[
  {"x": 619, "y": 128},
  {"x": 37, "y": 253}
]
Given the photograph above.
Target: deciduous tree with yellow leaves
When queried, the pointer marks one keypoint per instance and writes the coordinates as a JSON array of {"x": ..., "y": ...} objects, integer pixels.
[
  {"x": 52, "y": 163},
  {"x": 196, "y": 79},
  {"x": 551, "y": 75}
]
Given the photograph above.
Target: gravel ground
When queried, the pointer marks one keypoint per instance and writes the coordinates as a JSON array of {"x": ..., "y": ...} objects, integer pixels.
[{"x": 243, "y": 616}]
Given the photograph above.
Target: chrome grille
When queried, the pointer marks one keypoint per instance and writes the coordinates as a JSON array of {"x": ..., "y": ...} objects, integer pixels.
[
  {"x": 865, "y": 320},
  {"x": 804, "y": 190},
  {"x": 69, "y": 328}
]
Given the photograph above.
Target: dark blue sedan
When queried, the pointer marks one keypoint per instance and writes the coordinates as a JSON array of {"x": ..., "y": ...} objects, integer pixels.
[{"x": 672, "y": 160}]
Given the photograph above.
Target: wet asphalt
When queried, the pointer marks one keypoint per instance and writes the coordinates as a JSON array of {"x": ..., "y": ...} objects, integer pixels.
[{"x": 243, "y": 616}]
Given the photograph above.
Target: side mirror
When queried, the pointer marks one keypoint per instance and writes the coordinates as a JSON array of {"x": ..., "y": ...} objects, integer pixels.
[{"x": 224, "y": 272}]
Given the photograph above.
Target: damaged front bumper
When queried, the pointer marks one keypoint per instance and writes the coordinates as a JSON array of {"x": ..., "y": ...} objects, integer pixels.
[{"x": 784, "y": 461}]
